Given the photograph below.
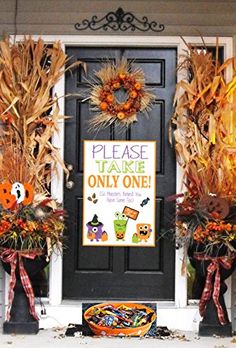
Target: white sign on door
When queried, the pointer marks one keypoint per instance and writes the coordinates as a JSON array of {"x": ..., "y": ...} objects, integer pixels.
[{"x": 119, "y": 193}]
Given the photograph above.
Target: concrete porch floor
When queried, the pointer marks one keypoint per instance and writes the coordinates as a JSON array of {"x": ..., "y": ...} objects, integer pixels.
[{"x": 55, "y": 338}]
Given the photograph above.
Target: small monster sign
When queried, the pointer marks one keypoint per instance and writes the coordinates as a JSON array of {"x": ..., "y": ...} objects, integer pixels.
[{"x": 119, "y": 193}]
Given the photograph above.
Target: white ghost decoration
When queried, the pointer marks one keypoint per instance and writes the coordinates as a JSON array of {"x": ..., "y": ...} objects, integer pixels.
[{"x": 18, "y": 191}]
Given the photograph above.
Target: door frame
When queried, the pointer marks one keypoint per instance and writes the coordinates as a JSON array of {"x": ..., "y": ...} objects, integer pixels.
[{"x": 56, "y": 276}]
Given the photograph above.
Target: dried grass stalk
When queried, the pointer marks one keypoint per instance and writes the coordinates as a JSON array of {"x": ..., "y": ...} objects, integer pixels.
[
  {"x": 29, "y": 111},
  {"x": 204, "y": 125}
]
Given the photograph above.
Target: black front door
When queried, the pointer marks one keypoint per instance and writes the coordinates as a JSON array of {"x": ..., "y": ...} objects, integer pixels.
[{"x": 106, "y": 273}]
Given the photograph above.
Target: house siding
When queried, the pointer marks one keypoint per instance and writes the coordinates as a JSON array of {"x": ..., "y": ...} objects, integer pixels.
[{"x": 179, "y": 17}]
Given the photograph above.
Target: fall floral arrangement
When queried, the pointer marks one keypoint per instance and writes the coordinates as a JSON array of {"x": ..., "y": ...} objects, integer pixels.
[
  {"x": 204, "y": 131},
  {"x": 29, "y": 217},
  {"x": 33, "y": 226},
  {"x": 31, "y": 221},
  {"x": 110, "y": 79}
]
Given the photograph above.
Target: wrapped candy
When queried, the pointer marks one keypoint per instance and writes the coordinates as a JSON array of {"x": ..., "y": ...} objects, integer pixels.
[{"x": 120, "y": 317}]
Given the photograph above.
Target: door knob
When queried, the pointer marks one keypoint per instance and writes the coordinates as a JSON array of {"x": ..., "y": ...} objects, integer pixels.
[
  {"x": 70, "y": 167},
  {"x": 70, "y": 184}
]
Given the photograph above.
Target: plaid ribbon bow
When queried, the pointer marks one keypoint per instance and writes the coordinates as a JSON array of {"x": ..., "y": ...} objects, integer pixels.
[
  {"x": 12, "y": 256},
  {"x": 213, "y": 268}
]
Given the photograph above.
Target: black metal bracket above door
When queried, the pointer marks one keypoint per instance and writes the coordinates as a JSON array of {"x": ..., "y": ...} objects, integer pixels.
[{"x": 120, "y": 20}]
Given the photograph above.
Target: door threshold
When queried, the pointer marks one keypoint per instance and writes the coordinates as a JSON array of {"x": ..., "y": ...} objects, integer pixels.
[
  {"x": 70, "y": 311},
  {"x": 160, "y": 304}
]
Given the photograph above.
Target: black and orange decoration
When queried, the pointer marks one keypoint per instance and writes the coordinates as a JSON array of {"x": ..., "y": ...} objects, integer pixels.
[
  {"x": 109, "y": 80},
  {"x": 13, "y": 194}
]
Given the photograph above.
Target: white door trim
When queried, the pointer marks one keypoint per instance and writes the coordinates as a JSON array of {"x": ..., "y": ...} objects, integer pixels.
[{"x": 55, "y": 282}]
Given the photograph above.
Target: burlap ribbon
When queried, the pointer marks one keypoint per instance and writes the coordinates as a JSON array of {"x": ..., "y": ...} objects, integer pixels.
[
  {"x": 13, "y": 256},
  {"x": 211, "y": 289}
]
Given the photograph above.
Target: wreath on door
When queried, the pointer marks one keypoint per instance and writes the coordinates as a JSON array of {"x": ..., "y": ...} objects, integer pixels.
[{"x": 109, "y": 80}]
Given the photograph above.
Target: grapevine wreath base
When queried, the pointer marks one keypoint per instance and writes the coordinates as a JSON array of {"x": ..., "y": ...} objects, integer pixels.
[{"x": 112, "y": 78}]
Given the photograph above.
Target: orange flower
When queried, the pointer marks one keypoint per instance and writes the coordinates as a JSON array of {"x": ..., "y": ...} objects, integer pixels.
[
  {"x": 45, "y": 228},
  {"x": 127, "y": 106},
  {"x": 121, "y": 115},
  {"x": 116, "y": 84},
  {"x": 228, "y": 227},
  {"x": 110, "y": 98},
  {"x": 103, "y": 106},
  {"x": 138, "y": 86},
  {"x": 219, "y": 226},
  {"x": 133, "y": 94},
  {"x": 4, "y": 226},
  {"x": 122, "y": 76},
  {"x": 21, "y": 223},
  {"x": 197, "y": 234},
  {"x": 30, "y": 226}
]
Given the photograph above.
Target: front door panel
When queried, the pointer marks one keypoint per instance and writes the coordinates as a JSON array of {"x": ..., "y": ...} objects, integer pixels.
[{"x": 120, "y": 272}]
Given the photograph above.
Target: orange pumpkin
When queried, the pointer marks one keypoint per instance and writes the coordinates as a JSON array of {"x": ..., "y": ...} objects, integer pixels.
[
  {"x": 91, "y": 235},
  {"x": 29, "y": 194},
  {"x": 104, "y": 236},
  {"x": 7, "y": 199}
]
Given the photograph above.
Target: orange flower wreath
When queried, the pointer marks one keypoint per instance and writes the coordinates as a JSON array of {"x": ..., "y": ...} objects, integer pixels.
[{"x": 110, "y": 79}]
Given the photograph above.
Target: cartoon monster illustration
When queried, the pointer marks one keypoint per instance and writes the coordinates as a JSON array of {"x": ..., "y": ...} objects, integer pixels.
[
  {"x": 95, "y": 230},
  {"x": 143, "y": 231},
  {"x": 120, "y": 224}
]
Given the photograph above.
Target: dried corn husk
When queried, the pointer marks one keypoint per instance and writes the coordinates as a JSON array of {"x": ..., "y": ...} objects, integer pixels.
[
  {"x": 29, "y": 111},
  {"x": 204, "y": 124}
]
